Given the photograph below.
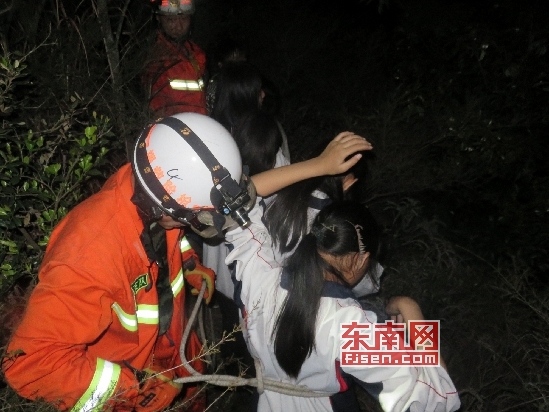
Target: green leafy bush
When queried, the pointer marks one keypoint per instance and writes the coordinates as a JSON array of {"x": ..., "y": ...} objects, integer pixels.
[{"x": 46, "y": 167}]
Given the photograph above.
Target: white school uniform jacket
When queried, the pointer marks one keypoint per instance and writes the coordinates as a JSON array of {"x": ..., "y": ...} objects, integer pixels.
[{"x": 260, "y": 286}]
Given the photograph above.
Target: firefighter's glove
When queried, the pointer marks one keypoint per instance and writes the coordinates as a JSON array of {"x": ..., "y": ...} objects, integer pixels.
[
  {"x": 157, "y": 390},
  {"x": 195, "y": 273}
]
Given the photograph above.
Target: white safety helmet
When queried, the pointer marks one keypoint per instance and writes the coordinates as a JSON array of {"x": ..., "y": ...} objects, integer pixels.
[
  {"x": 188, "y": 163},
  {"x": 174, "y": 7}
]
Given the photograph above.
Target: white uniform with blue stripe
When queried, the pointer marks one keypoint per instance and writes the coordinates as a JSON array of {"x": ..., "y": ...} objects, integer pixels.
[{"x": 260, "y": 287}]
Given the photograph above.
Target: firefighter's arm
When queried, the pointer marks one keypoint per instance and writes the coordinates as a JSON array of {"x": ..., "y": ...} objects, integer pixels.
[
  {"x": 148, "y": 390},
  {"x": 332, "y": 161},
  {"x": 48, "y": 357},
  {"x": 195, "y": 272}
]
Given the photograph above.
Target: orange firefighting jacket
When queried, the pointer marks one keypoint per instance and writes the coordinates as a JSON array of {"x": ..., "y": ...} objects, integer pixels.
[
  {"x": 173, "y": 78},
  {"x": 94, "y": 314}
]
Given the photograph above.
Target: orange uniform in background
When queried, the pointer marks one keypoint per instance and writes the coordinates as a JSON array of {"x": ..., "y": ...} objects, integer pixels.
[
  {"x": 91, "y": 325},
  {"x": 173, "y": 77}
]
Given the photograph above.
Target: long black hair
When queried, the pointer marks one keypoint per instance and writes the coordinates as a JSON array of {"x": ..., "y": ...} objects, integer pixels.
[
  {"x": 286, "y": 216},
  {"x": 338, "y": 230},
  {"x": 237, "y": 93},
  {"x": 258, "y": 138}
]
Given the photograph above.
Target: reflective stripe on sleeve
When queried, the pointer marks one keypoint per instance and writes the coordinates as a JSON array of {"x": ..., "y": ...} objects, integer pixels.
[
  {"x": 177, "y": 283},
  {"x": 190, "y": 85},
  {"x": 147, "y": 314},
  {"x": 101, "y": 388},
  {"x": 128, "y": 321},
  {"x": 184, "y": 244}
]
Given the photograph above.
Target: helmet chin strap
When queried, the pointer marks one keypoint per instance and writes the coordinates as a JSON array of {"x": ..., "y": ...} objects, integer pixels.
[{"x": 147, "y": 209}]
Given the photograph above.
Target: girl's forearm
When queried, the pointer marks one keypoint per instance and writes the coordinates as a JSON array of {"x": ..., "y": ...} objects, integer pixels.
[
  {"x": 271, "y": 181},
  {"x": 340, "y": 155}
]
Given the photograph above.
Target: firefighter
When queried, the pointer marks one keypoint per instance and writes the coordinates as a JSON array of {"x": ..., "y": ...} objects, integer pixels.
[
  {"x": 173, "y": 76},
  {"x": 103, "y": 327}
]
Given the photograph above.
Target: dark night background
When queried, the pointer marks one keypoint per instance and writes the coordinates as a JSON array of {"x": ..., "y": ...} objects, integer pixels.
[{"x": 453, "y": 95}]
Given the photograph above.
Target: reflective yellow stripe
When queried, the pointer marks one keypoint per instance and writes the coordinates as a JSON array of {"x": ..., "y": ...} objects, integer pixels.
[
  {"x": 177, "y": 283},
  {"x": 128, "y": 321},
  {"x": 184, "y": 244},
  {"x": 147, "y": 314},
  {"x": 101, "y": 388},
  {"x": 179, "y": 84}
]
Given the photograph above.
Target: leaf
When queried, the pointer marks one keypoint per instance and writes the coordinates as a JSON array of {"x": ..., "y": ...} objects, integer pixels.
[
  {"x": 90, "y": 132},
  {"x": 53, "y": 168},
  {"x": 7, "y": 272},
  {"x": 8, "y": 243},
  {"x": 46, "y": 215}
]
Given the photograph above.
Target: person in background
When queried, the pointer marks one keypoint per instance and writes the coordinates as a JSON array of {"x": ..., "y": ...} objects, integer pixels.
[
  {"x": 173, "y": 75},
  {"x": 237, "y": 106},
  {"x": 239, "y": 92},
  {"x": 272, "y": 104},
  {"x": 258, "y": 139}
]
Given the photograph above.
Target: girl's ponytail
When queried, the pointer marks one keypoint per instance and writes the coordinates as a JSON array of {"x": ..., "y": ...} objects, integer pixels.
[
  {"x": 338, "y": 230},
  {"x": 294, "y": 344}
]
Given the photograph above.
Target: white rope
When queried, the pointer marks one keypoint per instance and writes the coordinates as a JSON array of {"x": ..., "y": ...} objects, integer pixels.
[
  {"x": 230, "y": 381},
  {"x": 259, "y": 375},
  {"x": 202, "y": 333}
]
